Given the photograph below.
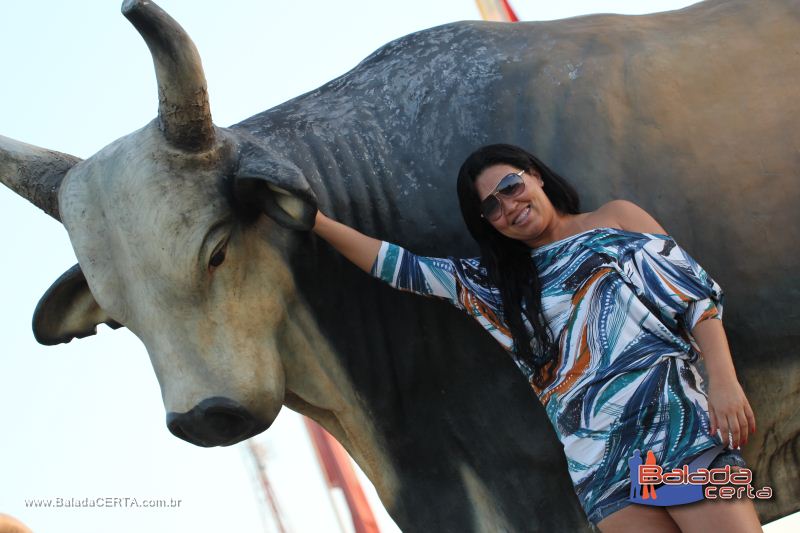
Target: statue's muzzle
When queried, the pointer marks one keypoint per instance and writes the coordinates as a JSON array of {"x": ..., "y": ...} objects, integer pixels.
[{"x": 216, "y": 421}]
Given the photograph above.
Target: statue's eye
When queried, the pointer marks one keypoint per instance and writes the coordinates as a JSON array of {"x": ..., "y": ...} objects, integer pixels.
[{"x": 218, "y": 257}]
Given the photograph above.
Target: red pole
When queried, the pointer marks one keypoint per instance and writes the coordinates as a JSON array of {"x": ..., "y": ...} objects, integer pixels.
[
  {"x": 339, "y": 473},
  {"x": 512, "y": 17},
  {"x": 261, "y": 469}
]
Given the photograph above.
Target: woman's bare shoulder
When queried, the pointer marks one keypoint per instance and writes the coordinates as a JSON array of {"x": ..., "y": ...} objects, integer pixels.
[{"x": 628, "y": 216}]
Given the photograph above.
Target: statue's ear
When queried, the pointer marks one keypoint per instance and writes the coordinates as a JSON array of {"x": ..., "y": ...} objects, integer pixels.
[
  {"x": 68, "y": 311},
  {"x": 277, "y": 189}
]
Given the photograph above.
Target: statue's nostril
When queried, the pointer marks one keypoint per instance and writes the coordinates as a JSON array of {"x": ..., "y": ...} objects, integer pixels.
[
  {"x": 215, "y": 421},
  {"x": 227, "y": 424}
]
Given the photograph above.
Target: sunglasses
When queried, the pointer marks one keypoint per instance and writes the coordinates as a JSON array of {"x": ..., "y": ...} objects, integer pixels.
[{"x": 510, "y": 186}]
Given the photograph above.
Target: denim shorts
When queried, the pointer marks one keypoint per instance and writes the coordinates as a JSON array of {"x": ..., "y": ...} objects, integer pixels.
[{"x": 620, "y": 499}]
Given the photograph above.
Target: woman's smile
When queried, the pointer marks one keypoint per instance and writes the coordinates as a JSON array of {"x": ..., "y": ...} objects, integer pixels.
[{"x": 522, "y": 216}]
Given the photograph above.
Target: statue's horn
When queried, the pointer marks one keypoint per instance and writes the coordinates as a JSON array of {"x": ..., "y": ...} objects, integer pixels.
[
  {"x": 184, "y": 113},
  {"x": 34, "y": 173}
]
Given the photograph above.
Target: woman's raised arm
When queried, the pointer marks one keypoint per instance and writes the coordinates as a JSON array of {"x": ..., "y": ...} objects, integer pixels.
[
  {"x": 360, "y": 249},
  {"x": 393, "y": 264}
]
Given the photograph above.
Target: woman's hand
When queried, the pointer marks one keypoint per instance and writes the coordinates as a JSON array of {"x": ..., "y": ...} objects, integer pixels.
[
  {"x": 729, "y": 411},
  {"x": 728, "y": 408},
  {"x": 360, "y": 249},
  {"x": 319, "y": 217}
]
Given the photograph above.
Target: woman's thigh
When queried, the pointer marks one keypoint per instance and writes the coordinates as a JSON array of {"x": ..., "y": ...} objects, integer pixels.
[
  {"x": 637, "y": 518},
  {"x": 717, "y": 515}
]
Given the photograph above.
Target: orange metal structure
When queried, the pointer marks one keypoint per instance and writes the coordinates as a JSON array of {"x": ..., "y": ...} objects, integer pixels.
[
  {"x": 339, "y": 473},
  {"x": 496, "y": 10}
]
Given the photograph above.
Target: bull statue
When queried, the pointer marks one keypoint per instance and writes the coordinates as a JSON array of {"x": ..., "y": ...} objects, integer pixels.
[{"x": 194, "y": 237}]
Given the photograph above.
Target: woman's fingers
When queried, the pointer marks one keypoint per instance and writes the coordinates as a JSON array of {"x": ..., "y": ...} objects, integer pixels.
[
  {"x": 712, "y": 417},
  {"x": 730, "y": 416},
  {"x": 728, "y": 430},
  {"x": 733, "y": 431},
  {"x": 722, "y": 429},
  {"x": 733, "y": 428},
  {"x": 751, "y": 417},
  {"x": 743, "y": 426}
]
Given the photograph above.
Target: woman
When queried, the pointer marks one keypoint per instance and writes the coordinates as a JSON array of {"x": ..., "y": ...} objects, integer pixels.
[{"x": 605, "y": 315}]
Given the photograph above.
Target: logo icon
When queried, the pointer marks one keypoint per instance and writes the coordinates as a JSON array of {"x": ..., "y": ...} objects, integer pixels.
[{"x": 651, "y": 485}]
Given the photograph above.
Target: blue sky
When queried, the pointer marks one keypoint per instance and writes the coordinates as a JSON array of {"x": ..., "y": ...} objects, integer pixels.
[{"x": 85, "y": 420}]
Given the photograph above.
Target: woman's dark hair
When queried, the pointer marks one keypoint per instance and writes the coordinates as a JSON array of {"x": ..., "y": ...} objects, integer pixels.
[{"x": 508, "y": 261}]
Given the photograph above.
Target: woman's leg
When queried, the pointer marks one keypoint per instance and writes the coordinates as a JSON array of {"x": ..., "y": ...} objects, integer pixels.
[
  {"x": 637, "y": 518},
  {"x": 733, "y": 516}
]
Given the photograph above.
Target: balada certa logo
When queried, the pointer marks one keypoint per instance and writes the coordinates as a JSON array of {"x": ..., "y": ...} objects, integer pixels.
[{"x": 652, "y": 485}]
